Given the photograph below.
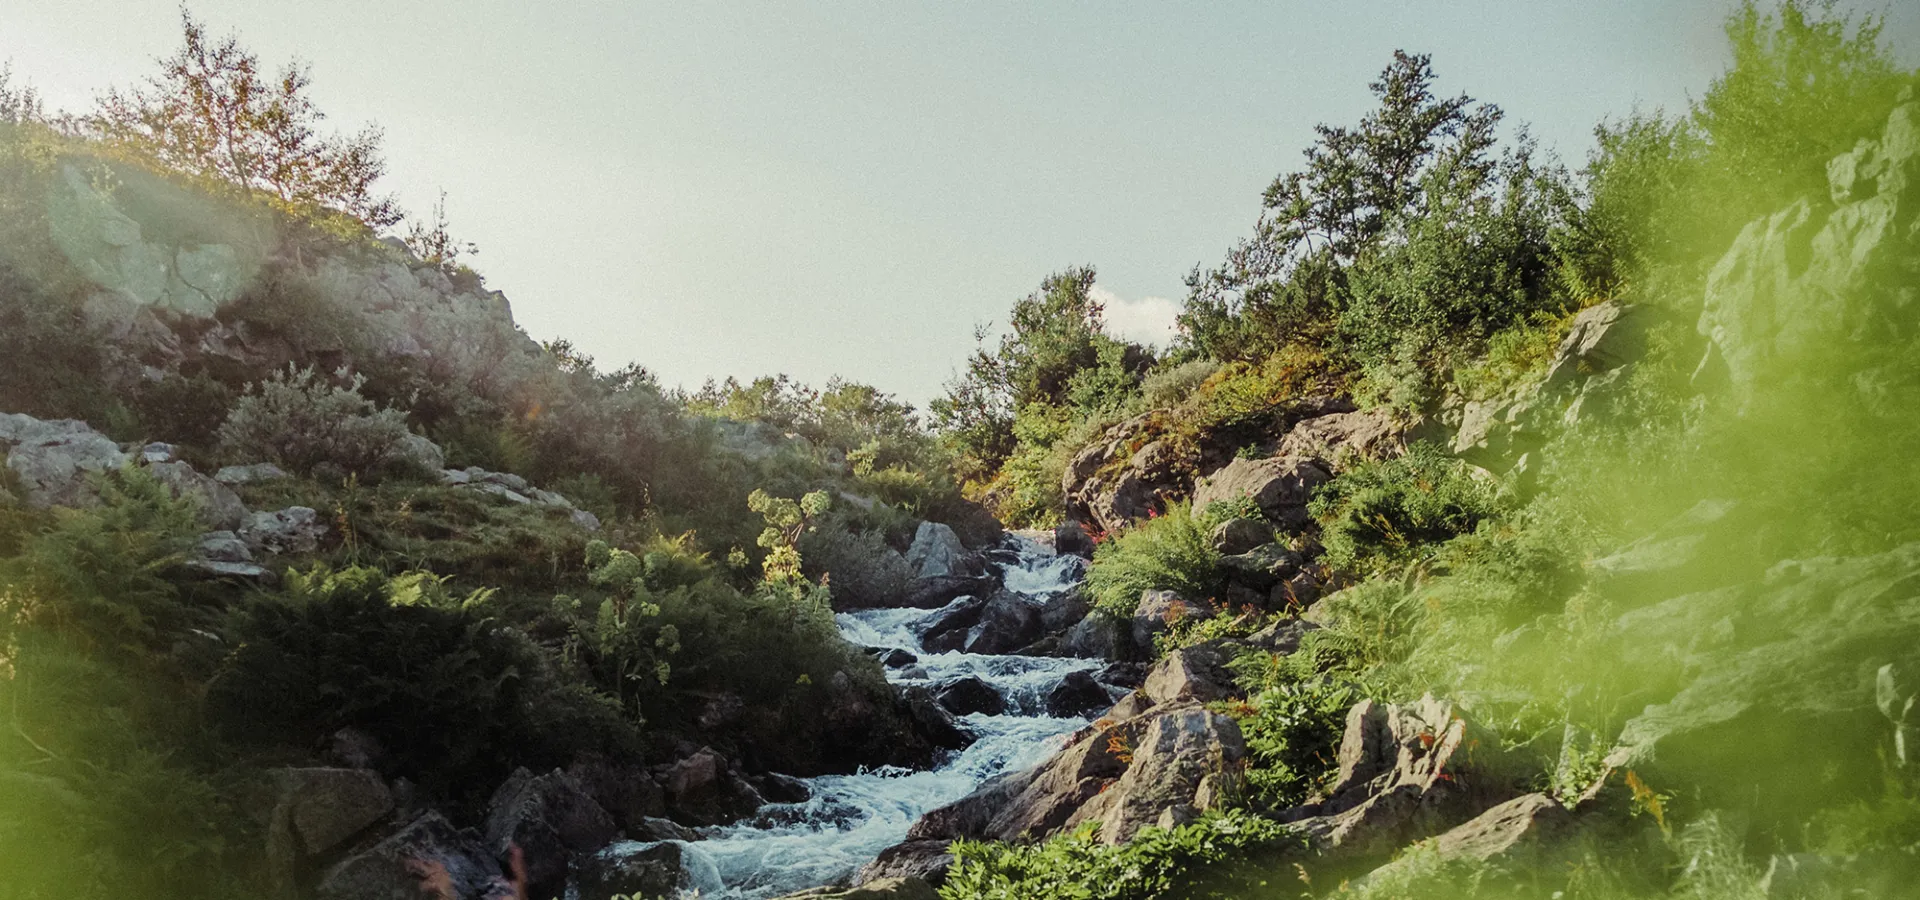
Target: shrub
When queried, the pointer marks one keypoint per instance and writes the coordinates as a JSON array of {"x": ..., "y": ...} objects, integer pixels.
[
  {"x": 856, "y": 565},
  {"x": 1156, "y": 863},
  {"x": 1169, "y": 386},
  {"x": 1170, "y": 552},
  {"x": 99, "y": 573},
  {"x": 300, "y": 421},
  {"x": 1293, "y": 733},
  {"x": 1385, "y": 513},
  {"x": 445, "y": 691}
]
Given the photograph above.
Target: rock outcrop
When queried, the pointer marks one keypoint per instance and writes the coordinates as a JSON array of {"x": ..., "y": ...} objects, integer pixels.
[{"x": 1279, "y": 486}]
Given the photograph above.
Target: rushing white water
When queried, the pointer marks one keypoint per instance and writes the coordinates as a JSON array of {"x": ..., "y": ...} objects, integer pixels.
[{"x": 849, "y": 819}]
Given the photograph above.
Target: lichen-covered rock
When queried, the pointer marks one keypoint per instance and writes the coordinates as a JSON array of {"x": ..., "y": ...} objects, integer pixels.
[
  {"x": 937, "y": 552},
  {"x": 235, "y": 476},
  {"x": 220, "y": 508},
  {"x": 296, "y": 529},
  {"x": 1341, "y": 438},
  {"x": 317, "y": 810},
  {"x": 1187, "y": 760},
  {"x": 551, "y": 818},
  {"x": 55, "y": 460},
  {"x": 1158, "y": 610},
  {"x": 1240, "y": 535},
  {"x": 386, "y": 871},
  {"x": 1280, "y": 486}
]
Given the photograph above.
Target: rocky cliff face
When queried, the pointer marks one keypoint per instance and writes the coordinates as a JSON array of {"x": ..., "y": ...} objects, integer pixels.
[{"x": 178, "y": 280}]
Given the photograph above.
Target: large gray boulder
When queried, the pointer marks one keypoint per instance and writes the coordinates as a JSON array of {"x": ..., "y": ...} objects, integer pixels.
[
  {"x": 925, "y": 860},
  {"x": 1507, "y": 833},
  {"x": 387, "y": 870},
  {"x": 220, "y": 508},
  {"x": 937, "y": 552},
  {"x": 296, "y": 529},
  {"x": 1280, "y": 486},
  {"x": 1819, "y": 276},
  {"x": 315, "y": 811},
  {"x": 703, "y": 789},
  {"x": 1342, "y": 438},
  {"x": 1007, "y": 623},
  {"x": 551, "y": 818},
  {"x": 1188, "y": 760},
  {"x": 634, "y": 870},
  {"x": 54, "y": 461},
  {"x": 1157, "y": 611}
]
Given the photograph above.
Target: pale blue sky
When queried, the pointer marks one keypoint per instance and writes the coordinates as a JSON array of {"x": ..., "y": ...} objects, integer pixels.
[{"x": 847, "y": 188}]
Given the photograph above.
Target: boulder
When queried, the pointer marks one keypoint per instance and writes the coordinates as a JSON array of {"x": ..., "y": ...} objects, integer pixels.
[
  {"x": 1159, "y": 609},
  {"x": 1079, "y": 694},
  {"x": 318, "y": 810},
  {"x": 1405, "y": 772},
  {"x": 633, "y": 870},
  {"x": 1072, "y": 538},
  {"x": 703, "y": 790},
  {"x": 971, "y": 695},
  {"x": 54, "y": 461},
  {"x": 551, "y": 818},
  {"x": 937, "y": 552},
  {"x": 948, "y": 630},
  {"x": 1282, "y": 637},
  {"x": 1064, "y": 610},
  {"x": 1831, "y": 622},
  {"x": 1262, "y": 567},
  {"x": 220, "y": 508},
  {"x": 387, "y": 869},
  {"x": 1098, "y": 636},
  {"x": 1505, "y": 833},
  {"x": 416, "y": 454},
  {"x": 1236, "y": 536},
  {"x": 296, "y": 529},
  {"x": 1345, "y": 437},
  {"x": 1187, "y": 761},
  {"x": 1035, "y": 802},
  {"x": 925, "y": 860},
  {"x": 1124, "y": 475},
  {"x": 1007, "y": 623},
  {"x": 627, "y": 792},
  {"x": 1196, "y": 674},
  {"x": 235, "y": 476},
  {"x": 893, "y": 657},
  {"x": 933, "y": 593},
  {"x": 222, "y": 554},
  {"x": 932, "y": 721},
  {"x": 1280, "y": 486}
]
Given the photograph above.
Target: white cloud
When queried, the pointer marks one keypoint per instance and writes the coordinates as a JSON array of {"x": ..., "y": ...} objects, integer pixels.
[{"x": 1148, "y": 320}]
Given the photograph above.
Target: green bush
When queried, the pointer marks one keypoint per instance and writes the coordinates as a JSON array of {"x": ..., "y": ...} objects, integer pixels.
[
  {"x": 300, "y": 421},
  {"x": 1391, "y": 512},
  {"x": 1293, "y": 733},
  {"x": 857, "y": 565},
  {"x": 1156, "y": 863},
  {"x": 101, "y": 573},
  {"x": 1170, "y": 552},
  {"x": 1169, "y": 386},
  {"x": 452, "y": 696}
]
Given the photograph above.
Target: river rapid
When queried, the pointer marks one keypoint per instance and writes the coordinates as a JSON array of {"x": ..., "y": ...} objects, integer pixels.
[{"x": 848, "y": 819}]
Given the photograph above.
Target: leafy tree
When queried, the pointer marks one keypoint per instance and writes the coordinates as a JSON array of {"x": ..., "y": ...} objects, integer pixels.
[
  {"x": 214, "y": 112},
  {"x": 1358, "y": 183},
  {"x": 1056, "y": 352}
]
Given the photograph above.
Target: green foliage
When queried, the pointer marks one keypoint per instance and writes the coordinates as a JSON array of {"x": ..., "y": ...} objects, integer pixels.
[
  {"x": 857, "y": 565},
  {"x": 1169, "y": 386},
  {"x": 455, "y": 699},
  {"x": 213, "y": 113},
  {"x": 1293, "y": 734},
  {"x": 1381, "y": 514},
  {"x": 1156, "y": 863},
  {"x": 100, "y": 575},
  {"x": 1170, "y": 552},
  {"x": 300, "y": 421},
  {"x": 1055, "y": 358}
]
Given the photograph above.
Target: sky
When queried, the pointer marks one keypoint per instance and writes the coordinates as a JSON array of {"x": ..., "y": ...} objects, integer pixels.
[{"x": 846, "y": 188}]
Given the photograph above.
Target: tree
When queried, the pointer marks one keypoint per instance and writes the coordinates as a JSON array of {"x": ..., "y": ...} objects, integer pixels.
[
  {"x": 1359, "y": 182},
  {"x": 212, "y": 112},
  {"x": 1056, "y": 333}
]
